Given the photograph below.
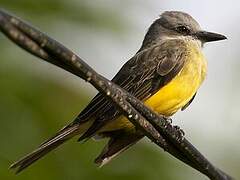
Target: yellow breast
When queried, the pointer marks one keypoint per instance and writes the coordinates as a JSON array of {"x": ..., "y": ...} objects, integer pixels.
[{"x": 181, "y": 89}]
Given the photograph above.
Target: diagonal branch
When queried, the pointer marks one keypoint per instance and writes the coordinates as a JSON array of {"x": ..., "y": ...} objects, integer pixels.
[{"x": 155, "y": 127}]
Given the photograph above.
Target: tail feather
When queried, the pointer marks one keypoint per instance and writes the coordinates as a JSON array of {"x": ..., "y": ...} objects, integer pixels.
[
  {"x": 115, "y": 146},
  {"x": 63, "y": 135}
]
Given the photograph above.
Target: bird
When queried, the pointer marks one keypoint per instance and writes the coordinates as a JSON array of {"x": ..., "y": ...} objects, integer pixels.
[{"x": 165, "y": 73}]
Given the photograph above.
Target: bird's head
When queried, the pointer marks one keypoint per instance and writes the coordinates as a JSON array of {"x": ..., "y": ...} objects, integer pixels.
[{"x": 176, "y": 24}]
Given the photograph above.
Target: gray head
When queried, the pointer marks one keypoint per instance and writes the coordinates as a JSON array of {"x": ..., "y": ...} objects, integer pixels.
[{"x": 176, "y": 24}]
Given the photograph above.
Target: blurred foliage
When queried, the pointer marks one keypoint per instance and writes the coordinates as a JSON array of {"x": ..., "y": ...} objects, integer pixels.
[{"x": 82, "y": 12}]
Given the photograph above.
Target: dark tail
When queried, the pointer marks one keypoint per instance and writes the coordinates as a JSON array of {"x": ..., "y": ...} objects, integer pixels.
[
  {"x": 63, "y": 135},
  {"x": 116, "y": 145}
]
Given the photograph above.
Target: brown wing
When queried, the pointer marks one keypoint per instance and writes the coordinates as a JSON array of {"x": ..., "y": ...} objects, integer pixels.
[{"x": 142, "y": 76}]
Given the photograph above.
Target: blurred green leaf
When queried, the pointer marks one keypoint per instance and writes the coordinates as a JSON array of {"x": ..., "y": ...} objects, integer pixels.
[{"x": 79, "y": 13}]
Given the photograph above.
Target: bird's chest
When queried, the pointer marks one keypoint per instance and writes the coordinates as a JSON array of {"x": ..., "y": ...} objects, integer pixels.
[
  {"x": 180, "y": 89},
  {"x": 193, "y": 73}
]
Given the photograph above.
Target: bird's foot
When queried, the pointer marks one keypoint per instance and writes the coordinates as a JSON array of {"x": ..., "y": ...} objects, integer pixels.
[
  {"x": 169, "y": 120},
  {"x": 180, "y": 133}
]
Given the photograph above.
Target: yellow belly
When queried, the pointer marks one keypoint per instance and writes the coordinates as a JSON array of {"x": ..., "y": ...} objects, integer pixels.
[
  {"x": 177, "y": 93},
  {"x": 174, "y": 95}
]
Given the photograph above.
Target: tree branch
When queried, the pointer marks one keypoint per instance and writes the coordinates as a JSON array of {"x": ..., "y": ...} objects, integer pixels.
[{"x": 155, "y": 127}]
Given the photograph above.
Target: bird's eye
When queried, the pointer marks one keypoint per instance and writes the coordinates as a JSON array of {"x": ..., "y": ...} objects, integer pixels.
[{"x": 183, "y": 30}]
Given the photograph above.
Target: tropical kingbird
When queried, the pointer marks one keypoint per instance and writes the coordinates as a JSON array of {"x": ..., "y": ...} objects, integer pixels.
[{"x": 165, "y": 74}]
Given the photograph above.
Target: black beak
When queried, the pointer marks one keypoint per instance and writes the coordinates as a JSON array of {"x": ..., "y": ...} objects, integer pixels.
[{"x": 205, "y": 36}]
